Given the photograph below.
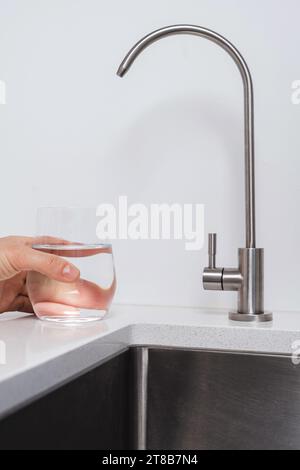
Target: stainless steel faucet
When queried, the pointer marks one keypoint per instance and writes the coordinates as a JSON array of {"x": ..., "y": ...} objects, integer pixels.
[{"x": 248, "y": 278}]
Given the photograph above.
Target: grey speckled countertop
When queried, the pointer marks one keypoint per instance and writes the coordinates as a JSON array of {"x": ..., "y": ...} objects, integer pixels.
[{"x": 38, "y": 356}]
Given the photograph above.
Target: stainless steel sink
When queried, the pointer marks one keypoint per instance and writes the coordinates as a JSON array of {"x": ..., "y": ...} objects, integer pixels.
[
  {"x": 213, "y": 400},
  {"x": 166, "y": 399}
]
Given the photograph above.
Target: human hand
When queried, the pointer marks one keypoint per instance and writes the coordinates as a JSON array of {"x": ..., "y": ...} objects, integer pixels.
[{"x": 17, "y": 257}]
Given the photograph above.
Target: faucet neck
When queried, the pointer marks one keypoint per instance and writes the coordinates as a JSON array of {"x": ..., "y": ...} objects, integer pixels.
[{"x": 248, "y": 105}]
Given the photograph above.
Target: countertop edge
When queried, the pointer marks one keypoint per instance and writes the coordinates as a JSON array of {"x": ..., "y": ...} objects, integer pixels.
[{"x": 56, "y": 356}]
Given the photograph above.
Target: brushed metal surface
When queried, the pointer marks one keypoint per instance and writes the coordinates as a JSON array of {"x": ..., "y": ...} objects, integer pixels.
[
  {"x": 213, "y": 400},
  {"x": 92, "y": 411},
  {"x": 139, "y": 357}
]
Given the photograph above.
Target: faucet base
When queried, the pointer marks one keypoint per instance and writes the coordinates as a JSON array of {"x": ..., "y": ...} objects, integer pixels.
[{"x": 251, "y": 317}]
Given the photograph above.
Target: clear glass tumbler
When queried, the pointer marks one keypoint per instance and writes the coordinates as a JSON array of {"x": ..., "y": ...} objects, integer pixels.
[{"x": 71, "y": 234}]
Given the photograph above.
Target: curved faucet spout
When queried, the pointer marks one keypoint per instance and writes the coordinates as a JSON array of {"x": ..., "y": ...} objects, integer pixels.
[{"x": 248, "y": 104}]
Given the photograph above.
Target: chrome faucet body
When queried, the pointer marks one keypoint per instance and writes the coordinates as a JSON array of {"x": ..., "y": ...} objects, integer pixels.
[{"x": 248, "y": 278}]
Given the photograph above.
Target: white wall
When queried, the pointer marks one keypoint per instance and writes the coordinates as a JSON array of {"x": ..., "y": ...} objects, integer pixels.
[{"x": 74, "y": 133}]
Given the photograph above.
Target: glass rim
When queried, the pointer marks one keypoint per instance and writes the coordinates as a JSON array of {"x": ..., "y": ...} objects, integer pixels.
[{"x": 72, "y": 247}]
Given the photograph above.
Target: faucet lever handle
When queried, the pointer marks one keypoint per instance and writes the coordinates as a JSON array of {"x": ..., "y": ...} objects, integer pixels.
[
  {"x": 212, "y": 276},
  {"x": 212, "y": 250}
]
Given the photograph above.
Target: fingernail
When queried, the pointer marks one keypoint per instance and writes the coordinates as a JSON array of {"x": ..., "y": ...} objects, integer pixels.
[{"x": 70, "y": 272}]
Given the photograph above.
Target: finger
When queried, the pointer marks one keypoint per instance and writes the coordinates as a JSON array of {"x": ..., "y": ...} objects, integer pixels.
[
  {"x": 23, "y": 289},
  {"x": 21, "y": 304},
  {"x": 51, "y": 265},
  {"x": 19, "y": 239}
]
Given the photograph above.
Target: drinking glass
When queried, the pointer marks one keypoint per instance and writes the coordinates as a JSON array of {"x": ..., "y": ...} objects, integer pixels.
[{"x": 71, "y": 233}]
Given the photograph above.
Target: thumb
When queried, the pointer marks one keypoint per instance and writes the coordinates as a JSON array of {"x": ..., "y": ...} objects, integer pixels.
[{"x": 52, "y": 266}]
